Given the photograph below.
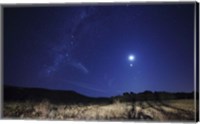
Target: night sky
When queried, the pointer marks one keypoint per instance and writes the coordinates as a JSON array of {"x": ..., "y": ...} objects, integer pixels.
[{"x": 100, "y": 50}]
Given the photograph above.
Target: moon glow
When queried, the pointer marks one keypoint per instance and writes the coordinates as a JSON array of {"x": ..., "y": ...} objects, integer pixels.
[{"x": 131, "y": 58}]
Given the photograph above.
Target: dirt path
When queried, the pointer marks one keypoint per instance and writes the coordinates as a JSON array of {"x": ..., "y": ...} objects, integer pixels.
[
  {"x": 157, "y": 110},
  {"x": 171, "y": 113}
]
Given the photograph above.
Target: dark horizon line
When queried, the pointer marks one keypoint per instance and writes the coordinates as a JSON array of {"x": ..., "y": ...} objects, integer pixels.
[{"x": 59, "y": 90}]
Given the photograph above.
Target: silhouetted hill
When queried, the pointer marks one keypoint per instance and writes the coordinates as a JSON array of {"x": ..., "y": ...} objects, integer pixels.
[
  {"x": 54, "y": 96},
  {"x": 148, "y": 95},
  {"x": 69, "y": 97}
]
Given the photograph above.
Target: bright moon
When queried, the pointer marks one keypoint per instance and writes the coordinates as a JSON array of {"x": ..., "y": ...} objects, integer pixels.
[{"x": 131, "y": 57}]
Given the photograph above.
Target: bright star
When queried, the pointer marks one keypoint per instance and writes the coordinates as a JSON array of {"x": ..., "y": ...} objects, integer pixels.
[{"x": 131, "y": 57}]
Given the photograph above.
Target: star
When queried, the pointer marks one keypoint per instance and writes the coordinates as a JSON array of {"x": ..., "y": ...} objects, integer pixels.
[{"x": 131, "y": 57}]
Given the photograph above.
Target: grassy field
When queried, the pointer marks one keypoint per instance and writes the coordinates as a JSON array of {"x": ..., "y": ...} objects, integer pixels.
[{"x": 171, "y": 110}]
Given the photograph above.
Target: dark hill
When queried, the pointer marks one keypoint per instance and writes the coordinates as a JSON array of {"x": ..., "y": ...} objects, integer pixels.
[
  {"x": 11, "y": 93},
  {"x": 69, "y": 97},
  {"x": 158, "y": 96}
]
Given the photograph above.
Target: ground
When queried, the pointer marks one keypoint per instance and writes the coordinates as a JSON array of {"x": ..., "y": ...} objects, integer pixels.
[{"x": 168, "y": 110}]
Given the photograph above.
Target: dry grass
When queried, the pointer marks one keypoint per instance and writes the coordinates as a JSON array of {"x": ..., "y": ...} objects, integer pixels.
[
  {"x": 182, "y": 104},
  {"x": 146, "y": 110}
]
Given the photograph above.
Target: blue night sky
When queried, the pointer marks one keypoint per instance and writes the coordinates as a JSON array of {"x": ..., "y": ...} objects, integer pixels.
[{"x": 88, "y": 48}]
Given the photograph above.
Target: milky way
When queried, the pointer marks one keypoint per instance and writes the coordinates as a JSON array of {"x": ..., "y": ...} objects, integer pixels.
[{"x": 63, "y": 52}]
